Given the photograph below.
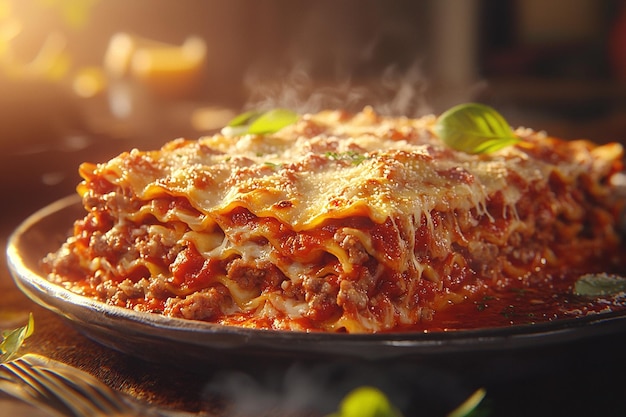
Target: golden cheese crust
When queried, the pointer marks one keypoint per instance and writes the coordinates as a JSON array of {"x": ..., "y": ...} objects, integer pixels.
[{"x": 339, "y": 222}]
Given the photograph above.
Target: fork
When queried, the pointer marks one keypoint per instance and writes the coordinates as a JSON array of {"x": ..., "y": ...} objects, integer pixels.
[{"x": 64, "y": 390}]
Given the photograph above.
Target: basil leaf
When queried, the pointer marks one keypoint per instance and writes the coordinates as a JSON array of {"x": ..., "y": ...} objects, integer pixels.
[
  {"x": 474, "y": 128},
  {"x": 259, "y": 123},
  {"x": 13, "y": 339},
  {"x": 272, "y": 121},
  {"x": 366, "y": 402},
  {"x": 595, "y": 285},
  {"x": 469, "y": 407},
  {"x": 245, "y": 119}
]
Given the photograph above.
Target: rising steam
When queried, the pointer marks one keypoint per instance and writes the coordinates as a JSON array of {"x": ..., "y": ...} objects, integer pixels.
[{"x": 393, "y": 93}]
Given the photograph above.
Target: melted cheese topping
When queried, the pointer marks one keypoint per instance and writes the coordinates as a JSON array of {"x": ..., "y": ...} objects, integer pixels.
[{"x": 366, "y": 165}]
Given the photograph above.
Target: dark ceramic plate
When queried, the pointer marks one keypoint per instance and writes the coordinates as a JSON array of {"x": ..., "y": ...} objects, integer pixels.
[{"x": 162, "y": 337}]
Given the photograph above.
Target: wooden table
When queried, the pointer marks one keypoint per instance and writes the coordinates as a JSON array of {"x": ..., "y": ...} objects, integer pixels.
[{"x": 585, "y": 377}]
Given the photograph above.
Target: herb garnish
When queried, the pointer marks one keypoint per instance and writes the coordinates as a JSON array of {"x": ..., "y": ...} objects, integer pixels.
[
  {"x": 354, "y": 157},
  {"x": 596, "y": 285},
  {"x": 366, "y": 402},
  {"x": 474, "y": 128},
  {"x": 508, "y": 312},
  {"x": 260, "y": 123},
  {"x": 273, "y": 165},
  {"x": 244, "y": 119},
  {"x": 480, "y": 306},
  {"x": 470, "y": 406},
  {"x": 483, "y": 304},
  {"x": 13, "y": 339}
]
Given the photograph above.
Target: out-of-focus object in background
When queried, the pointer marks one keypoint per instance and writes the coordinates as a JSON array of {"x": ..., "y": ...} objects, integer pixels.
[
  {"x": 68, "y": 96},
  {"x": 142, "y": 73},
  {"x": 617, "y": 46},
  {"x": 40, "y": 119},
  {"x": 89, "y": 82},
  {"x": 210, "y": 118},
  {"x": 52, "y": 62},
  {"x": 171, "y": 71},
  {"x": 35, "y": 106}
]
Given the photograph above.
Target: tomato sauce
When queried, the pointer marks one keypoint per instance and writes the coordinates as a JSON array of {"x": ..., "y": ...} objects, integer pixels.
[{"x": 519, "y": 304}]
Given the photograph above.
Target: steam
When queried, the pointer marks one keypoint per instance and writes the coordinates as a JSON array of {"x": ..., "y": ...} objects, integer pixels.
[
  {"x": 317, "y": 389},
  {"x": 408, "y": 93},
  {"x": 325, "y": 56},
  {"x": 396, "y": 92}
]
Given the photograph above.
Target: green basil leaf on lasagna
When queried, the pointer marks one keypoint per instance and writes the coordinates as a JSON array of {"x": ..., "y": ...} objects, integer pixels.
[
  {"x": 244, "y": 119},
  {"x": 260, "y": 123},
  {"x": 474, "y": 128},
  {"x": 272, "y": 121}
]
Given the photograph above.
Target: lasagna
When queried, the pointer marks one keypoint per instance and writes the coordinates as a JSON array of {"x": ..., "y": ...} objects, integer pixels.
[{"x": 339, "y": 222}]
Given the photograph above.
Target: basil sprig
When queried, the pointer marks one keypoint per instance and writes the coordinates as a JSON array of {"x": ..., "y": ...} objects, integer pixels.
[
  {"x": 13, "y": 339},
  {"x": 474, "y": 128},
  {"x": 260, "y": 123}
]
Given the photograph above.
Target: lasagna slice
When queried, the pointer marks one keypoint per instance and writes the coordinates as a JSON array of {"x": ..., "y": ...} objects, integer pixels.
[{"x": 339, "y": 222}]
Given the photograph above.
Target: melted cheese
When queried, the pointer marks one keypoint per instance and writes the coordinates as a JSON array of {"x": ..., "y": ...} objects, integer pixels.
[{"x": 356, "y": 168}]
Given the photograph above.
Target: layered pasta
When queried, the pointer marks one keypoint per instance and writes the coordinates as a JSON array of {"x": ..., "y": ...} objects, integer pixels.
[{"x": 339, "y": 222}]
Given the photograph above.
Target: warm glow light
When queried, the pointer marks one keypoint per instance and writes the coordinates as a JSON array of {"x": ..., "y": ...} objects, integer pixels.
[
  {"x": 89, "y": 82},
  {"x": 52, "y": 61},
  {"x": 205, "y": 119},
  {"x": 119, "y": 54},
  {"x": 140, "y": 69},
  {"x": 170, "y": 71}
]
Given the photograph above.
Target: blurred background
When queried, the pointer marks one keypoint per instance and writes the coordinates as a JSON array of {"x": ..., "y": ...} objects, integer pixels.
[{"x": 86, "y": 79}]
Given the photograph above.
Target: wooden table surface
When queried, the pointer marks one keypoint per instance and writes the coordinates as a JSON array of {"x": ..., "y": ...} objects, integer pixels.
[{"x": 584, "y": 377}]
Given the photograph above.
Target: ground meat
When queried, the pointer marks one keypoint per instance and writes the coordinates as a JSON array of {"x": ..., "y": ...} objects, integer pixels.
[
  {"x": 132, "y": 290},
  {"x": 245, "y": 275},
  {"x": 207, "y": 304},
  {"x": 250, "y": 276},
  {"x": 351, "y": 295},
  {"x": 356, "y": 251},
  {"x": 321, "y": 296},
  {"x": 64, "y": 266}
]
